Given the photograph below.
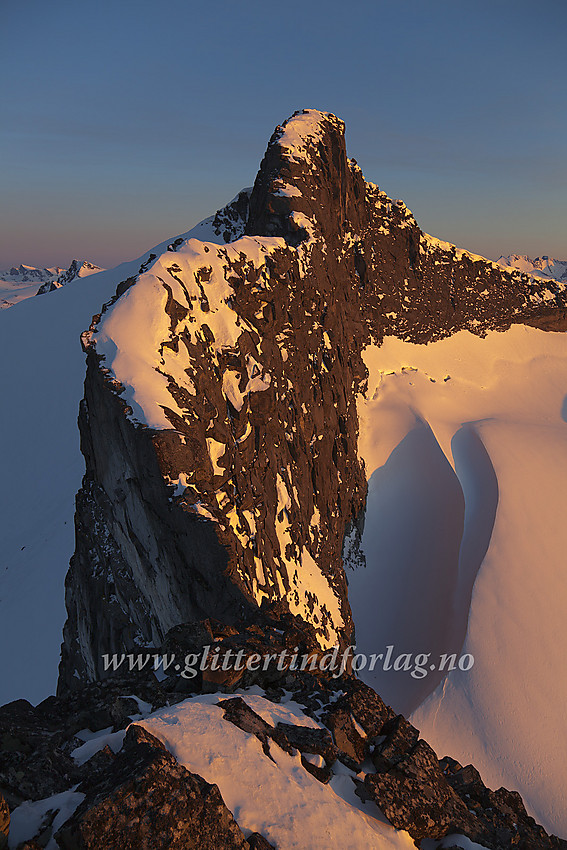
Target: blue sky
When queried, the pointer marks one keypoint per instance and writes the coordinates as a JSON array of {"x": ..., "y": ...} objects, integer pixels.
[{"x": 124, "y": 123}]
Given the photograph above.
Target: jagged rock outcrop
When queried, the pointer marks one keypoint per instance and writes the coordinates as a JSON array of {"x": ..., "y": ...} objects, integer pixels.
[
  {"x": 33, "y": 765},
  {"x": 219, "y": 421},
  {"x": 144, "y": 798}
]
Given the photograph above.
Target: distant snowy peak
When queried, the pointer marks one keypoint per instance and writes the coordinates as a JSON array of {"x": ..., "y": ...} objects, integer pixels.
[
  {"x": 545, "y": 266},
  {"x": 78, "y": 268},
  {"x": 21, "y": 282}
]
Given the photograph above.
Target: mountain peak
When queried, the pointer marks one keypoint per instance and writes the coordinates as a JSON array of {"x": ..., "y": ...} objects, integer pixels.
[
  {"x": 297, "y": 135},
  {"x": 78, "y": 268},
  {"x": 306, "y": 185},
  {"x": 232, "y": 378},
  {"x": 241, "y": 389}
]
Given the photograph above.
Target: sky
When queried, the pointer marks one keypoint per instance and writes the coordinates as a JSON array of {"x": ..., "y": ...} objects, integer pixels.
[{"x": 125, "y": 123}]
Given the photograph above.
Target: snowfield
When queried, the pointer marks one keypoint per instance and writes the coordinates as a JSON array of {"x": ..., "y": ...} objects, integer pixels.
[
  {"x": 465, "y": 446},
  {"x": 42, "y": 370}
]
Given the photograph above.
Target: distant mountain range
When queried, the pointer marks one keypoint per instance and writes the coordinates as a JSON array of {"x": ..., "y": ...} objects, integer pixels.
[
  {"x": 23, "y": 281},
  {"x": 539, "y": 267}
]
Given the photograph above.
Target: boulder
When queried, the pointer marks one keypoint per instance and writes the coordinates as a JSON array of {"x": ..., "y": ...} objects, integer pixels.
[
  {"x": 415, "y": 796},
  {"x": 258, "y": 842},
  {"x": 145, "y": 799}
]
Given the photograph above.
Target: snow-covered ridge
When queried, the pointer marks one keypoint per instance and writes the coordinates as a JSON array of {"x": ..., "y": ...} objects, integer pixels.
[
  {"x": 195, "y": 275},
  {"x": 198, "y": 269},
  {"x": 513, "y": 268},
  {"x": 519, "y": 272},
  {"x": 227, "y": 224}
]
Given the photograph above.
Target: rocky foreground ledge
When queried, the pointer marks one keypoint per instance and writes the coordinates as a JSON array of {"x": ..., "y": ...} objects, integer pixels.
[{"x": 85, "y": 771}]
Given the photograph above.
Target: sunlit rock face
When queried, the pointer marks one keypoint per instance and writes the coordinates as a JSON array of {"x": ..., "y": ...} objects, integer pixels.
[{"x": 219, "y": 423}]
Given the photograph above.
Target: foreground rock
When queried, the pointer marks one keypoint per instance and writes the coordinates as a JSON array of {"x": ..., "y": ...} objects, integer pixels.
[
  {"x": 136, "y": 792},
  {"x": 144, "y": 798}
]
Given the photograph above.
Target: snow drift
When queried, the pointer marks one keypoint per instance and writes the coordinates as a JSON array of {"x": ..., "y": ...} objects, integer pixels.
[{"x": 465, "y": 445}]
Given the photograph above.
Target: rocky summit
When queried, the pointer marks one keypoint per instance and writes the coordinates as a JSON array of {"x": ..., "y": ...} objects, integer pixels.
[{"x": 220, "y": 431}]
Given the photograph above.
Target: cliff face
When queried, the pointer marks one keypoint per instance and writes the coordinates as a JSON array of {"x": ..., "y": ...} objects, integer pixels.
[{"x": 219, "y": 421}]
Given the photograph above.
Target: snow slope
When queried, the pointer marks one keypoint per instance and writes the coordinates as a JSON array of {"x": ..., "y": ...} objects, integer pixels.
[
  {"x": 465, "y": 445},
  {"x": 42, "y": 370},
  {"x": 278, "y": 797}
]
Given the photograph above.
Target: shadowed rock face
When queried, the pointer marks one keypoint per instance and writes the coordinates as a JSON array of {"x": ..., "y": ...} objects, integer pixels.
[{"x": 230, "y": 483}]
